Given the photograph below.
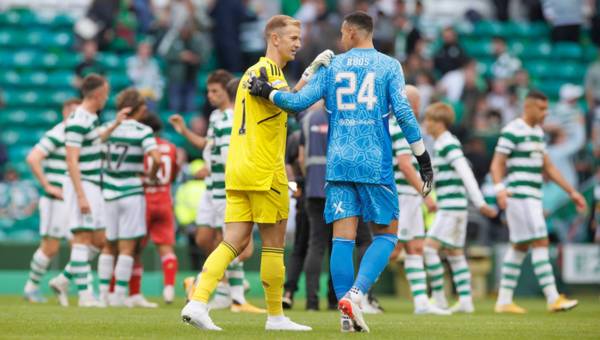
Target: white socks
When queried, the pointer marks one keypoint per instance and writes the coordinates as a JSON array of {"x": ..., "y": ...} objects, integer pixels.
[
  {"x": 540, "y": 260},
  {"x": 38, "y": 267},
  {"x": 79, "y": 266},
  {"x": 461, "y": 277},
  {"x": 106, "y": 263},
  {"x": 415, "y": 274},
  {"x": 235, "y": 278},
  {"x": 435, "y": 271},
  {"x": 123, "y": 271},
  {"x": 511, "y": 269}
]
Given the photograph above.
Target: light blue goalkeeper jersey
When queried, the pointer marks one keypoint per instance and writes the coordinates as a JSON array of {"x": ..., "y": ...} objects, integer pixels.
[{"x": 360, "y": 87}]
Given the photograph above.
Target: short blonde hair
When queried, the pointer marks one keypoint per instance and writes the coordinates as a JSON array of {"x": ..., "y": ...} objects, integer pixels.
[
  {"x": 279, "y": 21},
  {"x": 440, "y": 112}
]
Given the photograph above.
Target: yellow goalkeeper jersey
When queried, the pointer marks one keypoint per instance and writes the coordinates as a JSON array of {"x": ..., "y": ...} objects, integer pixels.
[{"x": 257, "y": 147}]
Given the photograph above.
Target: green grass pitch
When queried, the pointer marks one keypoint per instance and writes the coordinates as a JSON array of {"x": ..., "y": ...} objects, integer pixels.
[{"x": 20, "y": 320}]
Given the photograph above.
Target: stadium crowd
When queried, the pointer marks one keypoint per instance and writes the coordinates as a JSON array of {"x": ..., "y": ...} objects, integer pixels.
[{"x": 168, "y": 45}]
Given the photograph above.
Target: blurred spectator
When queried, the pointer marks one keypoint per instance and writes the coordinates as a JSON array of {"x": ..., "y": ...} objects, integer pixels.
[
  {"x": 227, "y": 16},
  {"x": 566, "y": 18},
  {"x": 450, "y": 56},
  {"x": 3, "y": 159},
  {"x": 183, "y": 63},
  {"x": 464, "y": 84},
  {"x": 566, "y": 126},
  {"x": 595, "y": 23},
  {"x": 103, "y": 13},
  {"x": 501, "y": 7},
  {"x": 20, "y": 196},
  {"x": 179, "y": 14},
  {"x": 425, "y": 82},
  {"x": 522, "y": 84},
  {"x": 480, "y": 159},
  {"x": 384, "y": 31},
  {"x": 406, "y": 37},
  {"x": 89, "y": 64},
  {"x": 312, "y": 152},
  {"x": 592, "y": 85},
  {"x": 144, "y": 13},
  {"x": 144, "y": 72},
  {"x": 499, "y": 99},
  {"x": 295, "y": 264},
  {"x": 505, "y": 65}
]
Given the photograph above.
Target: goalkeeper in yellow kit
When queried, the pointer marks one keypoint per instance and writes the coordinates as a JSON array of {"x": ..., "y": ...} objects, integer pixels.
[{"x": 256, "y": 181}]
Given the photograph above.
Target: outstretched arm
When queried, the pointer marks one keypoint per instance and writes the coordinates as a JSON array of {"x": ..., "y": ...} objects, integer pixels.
[
  {"x": 554, "y": 175},
  {"x": 294, "y": 102}
]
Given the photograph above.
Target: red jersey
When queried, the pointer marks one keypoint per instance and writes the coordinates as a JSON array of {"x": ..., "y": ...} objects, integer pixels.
[{"x": 160, "y": 192}]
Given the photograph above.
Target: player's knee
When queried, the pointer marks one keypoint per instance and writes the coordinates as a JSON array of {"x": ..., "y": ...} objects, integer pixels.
[
  {"x": 523, "y": 247},
  {"x": 50, "y": 247},
  {"x": 414, "y": 247}
]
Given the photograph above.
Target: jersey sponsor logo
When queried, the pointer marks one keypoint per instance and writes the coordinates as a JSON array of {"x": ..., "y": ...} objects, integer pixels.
[{"x": 356, "y": 122}]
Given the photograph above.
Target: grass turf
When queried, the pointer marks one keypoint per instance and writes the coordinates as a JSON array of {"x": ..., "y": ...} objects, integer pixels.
[{"x": 20, "y": 320}]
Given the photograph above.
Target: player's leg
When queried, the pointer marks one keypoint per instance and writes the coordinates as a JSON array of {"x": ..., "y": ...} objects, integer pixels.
[
  {"x": 42, "y": 257},
  {"x": 169, "y": 269},
  {"x": 236, "y": 279},
  {"x": 270, "y": 209},
  {"x": 238, "y": 209},
  {"x": 540, "y": 260},
  {"x": 108, "y": 256},
  {"x": 453, "y": 239},
  {"x": 318, "y": 242},
  {"x": 462, "y": 280},
  {"x": 131, "y": 228},
  {"x": 520, "y": 234},
  {"x": 106, "y": 265},
  {"x": 39, "y": 264},
  {"x": 433, "y": 263}
]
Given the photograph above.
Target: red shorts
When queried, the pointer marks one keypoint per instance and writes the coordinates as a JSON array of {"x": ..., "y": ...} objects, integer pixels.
[{"x": 161, "y": 223}]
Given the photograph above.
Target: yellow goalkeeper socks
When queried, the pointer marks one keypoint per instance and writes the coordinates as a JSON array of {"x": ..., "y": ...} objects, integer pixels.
[
  {"x": 213, "y": 271},
  {"x": 272, "y": 274}
]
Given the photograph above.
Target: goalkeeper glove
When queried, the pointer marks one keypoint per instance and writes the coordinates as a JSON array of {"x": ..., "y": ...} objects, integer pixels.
[
  {"x": 259, "y": 86},
  {"x": 323, "y": 59},
  {"x": 426, "y": 172}
]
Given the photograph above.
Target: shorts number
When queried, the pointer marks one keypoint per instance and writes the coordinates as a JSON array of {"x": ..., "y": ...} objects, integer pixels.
[
  {"x": 122, "y": 154},
  {"x": 366, "y": 92}
]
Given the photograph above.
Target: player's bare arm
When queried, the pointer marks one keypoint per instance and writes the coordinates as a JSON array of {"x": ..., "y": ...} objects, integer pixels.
[
  {"x": 75, "y": 175},
  {"x": 498, "y": 171},
  {"x": 34, "y": 160},
  {"x": 178, "y": 124},
  {"x": 552, "y": 172},
  {"x": 155, "y": 155},
  {"x": 121, "y": 116}
]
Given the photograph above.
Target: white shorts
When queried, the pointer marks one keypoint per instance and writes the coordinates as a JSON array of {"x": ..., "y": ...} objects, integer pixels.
[
  {"x": 449, "y": 228},
  {"x": 211, "y": 213},
  {"x": 53, "y": 218},
  {"x": 126, "y": 218},
  {"x": 410, "y": 221},
  {"x": 76, "y": 221},
  {"x": 526, "y": 221}
]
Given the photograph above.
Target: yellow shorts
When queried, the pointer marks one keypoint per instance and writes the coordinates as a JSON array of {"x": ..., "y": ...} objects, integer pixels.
[{"x": 258, "y": 206}]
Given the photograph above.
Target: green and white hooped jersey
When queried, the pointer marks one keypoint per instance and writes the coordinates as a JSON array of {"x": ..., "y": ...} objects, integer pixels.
[
  {"x": 525, "y": 148},
  {"x": 400, "y": 146},
  {"x": 218, "y": 158},
  {"x": 52, "y": 145},
  {"x": 449, "y": 188},
  {"x": 82, "y": 131},
  {"x": 124, "y": 159}
]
